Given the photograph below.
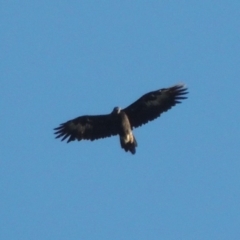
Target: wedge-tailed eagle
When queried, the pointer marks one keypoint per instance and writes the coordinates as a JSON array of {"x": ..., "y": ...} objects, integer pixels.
[{"x": 122, "y": 121}]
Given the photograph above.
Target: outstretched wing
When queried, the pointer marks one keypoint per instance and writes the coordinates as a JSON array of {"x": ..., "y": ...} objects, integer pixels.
[
  {"x": 153, "y": 104},
  {"x": 87, "y": 127}
]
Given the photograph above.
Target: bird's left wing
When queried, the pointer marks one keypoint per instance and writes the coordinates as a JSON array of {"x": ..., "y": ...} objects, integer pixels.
[
  {"x": 151, "y": 105},
  {"x": 87, "y": 127}
]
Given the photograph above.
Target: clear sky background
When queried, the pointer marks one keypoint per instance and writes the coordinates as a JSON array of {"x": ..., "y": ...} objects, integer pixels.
[{"x": 63, "y": 59}]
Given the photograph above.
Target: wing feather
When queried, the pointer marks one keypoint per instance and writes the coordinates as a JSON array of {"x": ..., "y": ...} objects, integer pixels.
[
  {"x": 87, "y": 127},
  {"x": 153, "y": 104}
]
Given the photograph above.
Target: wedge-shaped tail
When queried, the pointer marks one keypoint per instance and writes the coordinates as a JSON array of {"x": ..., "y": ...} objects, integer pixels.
[{"x": 129, "y": 144}]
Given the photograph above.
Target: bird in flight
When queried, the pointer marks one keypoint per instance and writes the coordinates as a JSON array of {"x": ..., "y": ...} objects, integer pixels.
[{"x": 122, "y": 121}]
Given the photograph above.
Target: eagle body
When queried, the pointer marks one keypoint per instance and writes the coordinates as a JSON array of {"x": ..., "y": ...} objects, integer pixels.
[
  {"x": 122, "y": 121},
  {"x": 127, "y": 139}
]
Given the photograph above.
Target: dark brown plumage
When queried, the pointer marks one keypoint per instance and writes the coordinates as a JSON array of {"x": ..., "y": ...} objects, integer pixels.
[{"x": 121, "y": 122}]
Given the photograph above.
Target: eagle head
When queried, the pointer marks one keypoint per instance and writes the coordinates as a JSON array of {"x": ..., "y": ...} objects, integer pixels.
[{"x": 116, "y": 110}]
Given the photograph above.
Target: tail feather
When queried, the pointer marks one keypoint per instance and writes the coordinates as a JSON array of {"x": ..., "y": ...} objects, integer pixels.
[{"x": 130, "y": 145}]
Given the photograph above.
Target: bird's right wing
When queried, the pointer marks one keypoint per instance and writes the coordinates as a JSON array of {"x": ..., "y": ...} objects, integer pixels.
[{"x": 87, "y": 127}]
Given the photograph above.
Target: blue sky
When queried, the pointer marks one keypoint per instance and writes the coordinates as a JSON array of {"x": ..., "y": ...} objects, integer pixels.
[{"x": 60, "y": 60}]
